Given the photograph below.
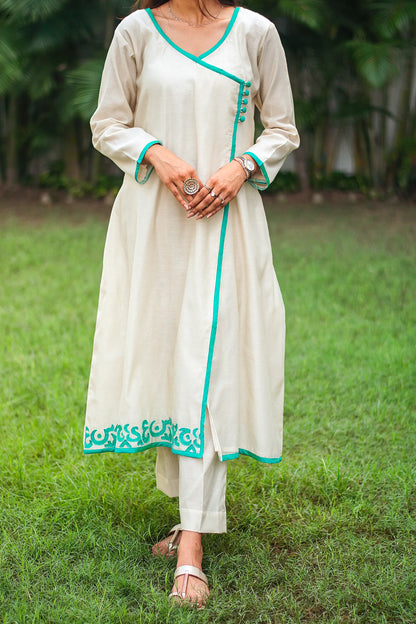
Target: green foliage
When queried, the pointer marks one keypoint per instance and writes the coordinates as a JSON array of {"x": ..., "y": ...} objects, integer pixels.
[
  {"x": 338, "y": 180},
  {"x": 56, "y": 179},
  {"x": 405, "y": 159},
  {"x": 326, "y": 537},
  {"x": 376, "y": 62},
  {"x": 30, "y": 10},
  {"x": 84, "y": 82},
  {"x": 343, "y": 58},
  {"x": 10, "y": 71},
  {"x": 394, "y": 18},
  {"x": 285, "y": 182},
  {"x": 311, "y": 13}
]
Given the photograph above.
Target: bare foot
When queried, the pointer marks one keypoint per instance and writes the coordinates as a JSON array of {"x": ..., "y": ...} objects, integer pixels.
[
  {"x": 190, "y": 553},
  {"x": 168, "y": 546}
]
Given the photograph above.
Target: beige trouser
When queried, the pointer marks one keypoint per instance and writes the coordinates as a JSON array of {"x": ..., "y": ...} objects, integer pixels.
[{"x": 199, "y": 483}]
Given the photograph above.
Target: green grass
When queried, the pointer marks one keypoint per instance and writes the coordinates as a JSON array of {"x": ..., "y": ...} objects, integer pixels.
[{"x": 327, "y": 536}]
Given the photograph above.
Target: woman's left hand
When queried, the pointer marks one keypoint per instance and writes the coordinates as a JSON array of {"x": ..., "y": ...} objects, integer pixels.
[{"x": 218, "y": 191}]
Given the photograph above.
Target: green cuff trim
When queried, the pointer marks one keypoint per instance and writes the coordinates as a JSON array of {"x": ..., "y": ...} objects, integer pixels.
[
  {"x": 140, "y": 160},
  {"x": 259, "y": 184},
  {"x": 264, "y": 460}
]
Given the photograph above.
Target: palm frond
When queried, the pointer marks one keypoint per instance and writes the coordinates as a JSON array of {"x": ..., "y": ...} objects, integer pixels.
[
  {"x": 393, "y": 18},
  {"x": 31, "y": 9},
  {"x": 311, "y": 13},
  {"x": 84, "y": 85},
  {"x": 10, "y": 70},
  {"x": 375, "y": 62}
]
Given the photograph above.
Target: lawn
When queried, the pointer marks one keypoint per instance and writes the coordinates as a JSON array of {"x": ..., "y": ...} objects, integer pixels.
[{"x": 328, "y": 535}]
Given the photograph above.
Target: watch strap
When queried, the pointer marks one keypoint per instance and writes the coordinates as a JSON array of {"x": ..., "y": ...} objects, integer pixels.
[{"x": 242, "y": 161}]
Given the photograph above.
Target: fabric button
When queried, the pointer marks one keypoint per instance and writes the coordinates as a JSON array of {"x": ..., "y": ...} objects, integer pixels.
[
  {"x": 242, "y": 118},
  {"x": 245, "y": 101},
  {"x": 244, "y": 110},
  {"x": 246, "y": 92},
  {"x": 248, "y": 84}
]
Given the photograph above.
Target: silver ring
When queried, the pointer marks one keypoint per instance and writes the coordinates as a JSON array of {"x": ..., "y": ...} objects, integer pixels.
[
  {"x": 208, "y": 188},
  {"x": 222, "y": 201},
  {"x": 191, "y": 186},
  {"x": 213, "y": 194}
]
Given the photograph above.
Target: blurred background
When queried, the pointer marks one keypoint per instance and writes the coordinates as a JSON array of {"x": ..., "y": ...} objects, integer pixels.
[{"x": 351, "y": 62}]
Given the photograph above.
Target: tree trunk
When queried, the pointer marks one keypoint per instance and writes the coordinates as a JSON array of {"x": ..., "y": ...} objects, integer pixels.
[
  {"x": 301, "y": 165},
  {"x": 404, "y": 129},
  {"x": 11, "y": 143}
]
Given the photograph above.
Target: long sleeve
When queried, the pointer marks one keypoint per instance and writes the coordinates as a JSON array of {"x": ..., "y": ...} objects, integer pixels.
[
  {"x": 275, "y": 103},
  {"x": 112, "y": 125}
]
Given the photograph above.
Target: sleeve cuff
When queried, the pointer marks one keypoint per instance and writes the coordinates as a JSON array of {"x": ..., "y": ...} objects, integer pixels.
[
  {"x": 261, "y": 181},
  {"x": 143, "y": 170}
]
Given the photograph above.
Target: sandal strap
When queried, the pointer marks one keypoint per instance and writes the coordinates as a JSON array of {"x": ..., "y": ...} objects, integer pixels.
[
  {"x": 174, "y": 535},
  {"x": 192, "y": 571},
  {"x": 175, "y": 594}
]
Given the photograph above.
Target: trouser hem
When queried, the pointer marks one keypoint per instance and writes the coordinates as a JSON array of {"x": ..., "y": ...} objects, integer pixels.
[
  {"x": 170, "y": 487},
  {"x": 203, "y": 521}
]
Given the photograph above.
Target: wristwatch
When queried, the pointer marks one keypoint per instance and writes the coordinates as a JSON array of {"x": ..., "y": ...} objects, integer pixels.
[{"x": 247, "y": 164}]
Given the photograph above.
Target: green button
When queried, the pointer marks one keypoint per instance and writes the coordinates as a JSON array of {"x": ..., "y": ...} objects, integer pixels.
[
  {"x": 246, "y": 92},
  {"x": 245, "y": 101},
  {"x": 244, "y": 110},
  {"x": 242, "y": 118},
  {"x": 248, "y": 84}
]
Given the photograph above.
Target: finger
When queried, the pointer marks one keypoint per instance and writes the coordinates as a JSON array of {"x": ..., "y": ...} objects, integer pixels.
[
  {"x": 216, "y": 208},
  {"x": 176, "y": 193},
  {"x": 211, "y": 214},
  {"x": 217, "y": 204},
  {"x": 203, "y": 205},
  {"x": 192, "y": 198},
  {"x": 201, "y": 196},
  {"x": 210, "y": 198}
]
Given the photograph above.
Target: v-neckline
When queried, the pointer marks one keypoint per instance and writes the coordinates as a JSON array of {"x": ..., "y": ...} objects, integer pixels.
[{"x": 185, "y": 52}]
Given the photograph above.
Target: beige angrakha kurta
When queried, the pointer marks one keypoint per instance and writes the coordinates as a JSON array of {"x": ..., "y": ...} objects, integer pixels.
[{"x": 190, "y": 313}]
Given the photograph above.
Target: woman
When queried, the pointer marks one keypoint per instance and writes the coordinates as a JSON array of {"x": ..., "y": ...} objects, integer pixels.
[{"x": 189, "y": 344}]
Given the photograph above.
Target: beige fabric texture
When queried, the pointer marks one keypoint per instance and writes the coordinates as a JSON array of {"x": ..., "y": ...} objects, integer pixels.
[
  {"x": 190, "y": 312},
  {"x": 200, "y": 485}
]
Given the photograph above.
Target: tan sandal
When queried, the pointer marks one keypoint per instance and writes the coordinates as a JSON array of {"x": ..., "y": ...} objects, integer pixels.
[
  {"x": 187, "y": 571},
  {"x": 171, "y": 541}
]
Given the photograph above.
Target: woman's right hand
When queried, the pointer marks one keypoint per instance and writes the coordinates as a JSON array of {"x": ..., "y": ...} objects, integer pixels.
[{"x": 172, "y": 171}]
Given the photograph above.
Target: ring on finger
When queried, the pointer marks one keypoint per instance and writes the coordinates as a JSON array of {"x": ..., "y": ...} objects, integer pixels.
[
  {"x": 213, "y": 194},
  {"x": 221, "y": 199},
  {"x": 209, "y": 189},
  {"x": 191, "y": 186}
]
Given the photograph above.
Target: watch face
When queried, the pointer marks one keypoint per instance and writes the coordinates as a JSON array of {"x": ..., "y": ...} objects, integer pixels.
[{"x": 249, "y": 164}]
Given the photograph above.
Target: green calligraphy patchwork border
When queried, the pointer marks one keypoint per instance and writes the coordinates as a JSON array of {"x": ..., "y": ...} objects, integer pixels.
[{"x": 132, "y": 438}]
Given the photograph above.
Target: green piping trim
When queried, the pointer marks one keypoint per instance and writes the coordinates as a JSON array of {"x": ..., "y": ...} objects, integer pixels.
[
  {"x": 225, "y": 35},
  {"x": 265, "y": 460},
  {"x": 261, "y": 165},
  {"x": 258, "y": 185},
  {"x": 217, "y": 286},
  {"x": 139, "y": 450},
  {"x": 240, "y": 97},
  {"x": 213, "y": 326},
  {"x": 197, "y": 59},
  {"x": 140, "y": 159}
]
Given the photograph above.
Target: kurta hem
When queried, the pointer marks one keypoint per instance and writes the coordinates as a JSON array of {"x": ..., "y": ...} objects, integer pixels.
[{"x": 126, "y": 447}]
